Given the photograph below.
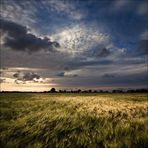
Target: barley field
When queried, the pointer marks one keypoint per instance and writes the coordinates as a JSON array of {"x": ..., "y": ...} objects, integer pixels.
[{"x": 46, "y": 120}]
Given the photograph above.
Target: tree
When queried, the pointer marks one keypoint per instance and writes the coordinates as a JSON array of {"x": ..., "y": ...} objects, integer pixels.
[
  {"x": 90, "y": 91},
  {"x": 52, "y": 90},
  {"x": 79, "y": 90}
]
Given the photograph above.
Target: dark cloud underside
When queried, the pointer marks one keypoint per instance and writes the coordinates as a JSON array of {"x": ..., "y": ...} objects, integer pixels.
[{"x": 18, "y": 38}]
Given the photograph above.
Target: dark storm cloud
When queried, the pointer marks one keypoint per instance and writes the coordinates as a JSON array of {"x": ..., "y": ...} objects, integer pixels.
[
  {"x": 18, "y": 38},
  {"x": 28, "y": 76}
]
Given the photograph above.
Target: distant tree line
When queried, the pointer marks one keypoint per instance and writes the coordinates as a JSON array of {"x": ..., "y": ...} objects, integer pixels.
[{"x": 53, "y": 90}]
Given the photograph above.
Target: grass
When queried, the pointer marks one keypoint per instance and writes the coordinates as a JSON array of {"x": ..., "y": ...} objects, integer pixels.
[{"x": 42, "y": 120}]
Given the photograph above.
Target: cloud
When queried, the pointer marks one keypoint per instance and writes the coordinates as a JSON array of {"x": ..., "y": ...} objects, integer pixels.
[
  {"x": 19, "y": 11},
  {"x": 64, "y": 74},
  {"x": 65, "y": 7},
  {"x": 81, "y": 39},
  {"x": 18, "y": 38},
  {"x": 26, "y": 76}
]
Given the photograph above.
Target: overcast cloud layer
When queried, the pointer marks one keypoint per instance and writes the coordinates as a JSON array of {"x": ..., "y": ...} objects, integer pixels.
[{"x": 71, "y": 44}]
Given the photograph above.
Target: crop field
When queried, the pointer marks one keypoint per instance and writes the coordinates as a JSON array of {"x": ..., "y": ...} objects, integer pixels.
[{"x": 46, "y": 120}]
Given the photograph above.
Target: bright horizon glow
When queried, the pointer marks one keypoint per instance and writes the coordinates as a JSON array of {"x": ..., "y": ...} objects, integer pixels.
[{"x": 46, "y": 87}]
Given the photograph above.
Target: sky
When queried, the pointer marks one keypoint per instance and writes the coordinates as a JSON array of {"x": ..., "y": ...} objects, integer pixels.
[{"x": 73, "y": 44}]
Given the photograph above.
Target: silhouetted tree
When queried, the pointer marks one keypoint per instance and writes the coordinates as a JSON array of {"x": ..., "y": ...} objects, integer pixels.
[
  {"x": 106, "y": 91},
  {"x": 117, "y": 91},
  {"x": 53, "y": 90},
  {"x": 90, "y": 91},
  {"x": 131, "y": 91},
  {"x": 137, "y": 91},
  {"x": 95, "y": 91},
  {"x": 141, "y": 90},
  {"x": 79, "y": 90}
]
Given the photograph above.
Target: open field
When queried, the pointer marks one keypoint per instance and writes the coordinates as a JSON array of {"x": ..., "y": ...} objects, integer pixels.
[{"x": 42, "y": 120}]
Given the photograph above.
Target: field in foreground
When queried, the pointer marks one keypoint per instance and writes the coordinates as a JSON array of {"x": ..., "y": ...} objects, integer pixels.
[{"x": 42, "y": 120}]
